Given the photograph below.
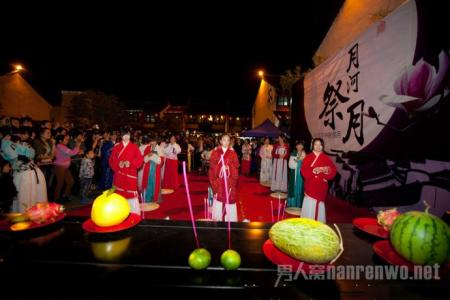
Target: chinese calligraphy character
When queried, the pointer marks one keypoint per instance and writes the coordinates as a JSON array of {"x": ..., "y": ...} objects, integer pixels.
[
  {"x": 284, "y": 270},
  {"x": 353, "y": 83},
  {"x": 355, "y": 122},
  {"x": 270, "y": 93},
  {"x": 300, "y": 271},
  {"x": 353, "y": 57},
  {"x": 331, "y": 97},
  {"x": 317, "y": 272}
]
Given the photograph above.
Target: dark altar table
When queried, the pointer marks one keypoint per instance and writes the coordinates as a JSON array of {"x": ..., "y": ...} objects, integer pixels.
[{"x": 152, "y": 257}]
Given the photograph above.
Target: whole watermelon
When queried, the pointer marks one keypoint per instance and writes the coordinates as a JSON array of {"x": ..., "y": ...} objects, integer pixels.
[
  {"x": 306, "y": 240},
  {"x": 421, "y": 238}
]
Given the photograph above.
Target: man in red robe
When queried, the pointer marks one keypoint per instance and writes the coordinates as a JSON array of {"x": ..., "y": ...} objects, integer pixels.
[
  {"x": 223, "y": 163},
  {"x": 125, "y": 160}
]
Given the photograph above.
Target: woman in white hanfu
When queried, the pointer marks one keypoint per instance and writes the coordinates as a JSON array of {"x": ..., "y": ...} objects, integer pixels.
[
  {"x": 280, "y": 154},
  {"x": 265, "y": 153},
  {"x": 28, "y": 178}
]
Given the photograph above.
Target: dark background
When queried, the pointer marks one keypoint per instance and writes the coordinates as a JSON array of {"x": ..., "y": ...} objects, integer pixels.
[{"x": 165, "y": 52}]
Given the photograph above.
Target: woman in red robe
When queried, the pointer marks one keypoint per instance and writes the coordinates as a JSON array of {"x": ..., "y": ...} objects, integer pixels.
[
  {"x": 317, "y": 169},
  {"x": 170, "y": 180},
  {"x": 246, "y": 158},
  {"x": 223, "y": 163},
  {"x": 125, "y": 160}
]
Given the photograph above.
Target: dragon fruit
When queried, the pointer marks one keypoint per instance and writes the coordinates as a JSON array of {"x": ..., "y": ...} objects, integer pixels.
[
  {"x": 44, "y": 211},
  {"x": 387, "y": 217}
]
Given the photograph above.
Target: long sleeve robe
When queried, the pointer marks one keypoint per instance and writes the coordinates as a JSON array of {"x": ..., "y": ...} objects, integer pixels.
[
  {"x": 125, "y": 177},
  {"x": 218, "y": 169}
]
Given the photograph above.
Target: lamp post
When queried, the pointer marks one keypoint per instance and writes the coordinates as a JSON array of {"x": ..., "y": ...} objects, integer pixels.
[
  {"x": 282, "y": 93},
  {"x": 17, "y": 68},
  {"x": 261, "y": 73}
]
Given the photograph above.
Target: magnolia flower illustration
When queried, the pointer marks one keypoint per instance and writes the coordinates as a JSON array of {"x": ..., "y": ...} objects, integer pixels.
[{"x": 419, "y": 87}]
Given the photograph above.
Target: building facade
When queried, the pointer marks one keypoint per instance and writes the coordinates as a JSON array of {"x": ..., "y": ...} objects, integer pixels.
[
  {"x": 198, "y": 118},
  {"x": 19, "y": 99},
  {"x": 273, "y": 104}
]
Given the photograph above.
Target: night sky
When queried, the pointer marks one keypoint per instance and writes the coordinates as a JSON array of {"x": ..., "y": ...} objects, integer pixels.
[{"x": 170, "y": 53}]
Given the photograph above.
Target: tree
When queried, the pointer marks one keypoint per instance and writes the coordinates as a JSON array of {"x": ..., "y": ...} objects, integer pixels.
[
  {"x": 289, "y": 79},
  {"x": 96, "y": 107}
]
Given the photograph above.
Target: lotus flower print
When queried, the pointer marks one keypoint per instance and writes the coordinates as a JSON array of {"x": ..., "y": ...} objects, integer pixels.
[{"x": 420, "y": 87}]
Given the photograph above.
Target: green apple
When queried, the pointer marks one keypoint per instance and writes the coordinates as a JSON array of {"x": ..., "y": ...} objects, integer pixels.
[
  {"x": 199, "y": 259},
  {"x": 230, "y": 260}
]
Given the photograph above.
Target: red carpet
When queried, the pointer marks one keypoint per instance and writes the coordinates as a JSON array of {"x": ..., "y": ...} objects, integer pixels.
[{"x": 253, "y": 203}]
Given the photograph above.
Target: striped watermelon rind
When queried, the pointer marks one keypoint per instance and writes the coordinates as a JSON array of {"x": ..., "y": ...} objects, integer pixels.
[
  {"x": 306, "y": 240},
  {"x": 421, "y": 238}
]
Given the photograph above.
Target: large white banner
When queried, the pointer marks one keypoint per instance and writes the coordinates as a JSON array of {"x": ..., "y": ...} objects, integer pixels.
[{"x": 342, "y": 92}]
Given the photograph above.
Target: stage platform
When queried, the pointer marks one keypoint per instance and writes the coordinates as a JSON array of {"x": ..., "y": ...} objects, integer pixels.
[{"x": 153, "y": 256}]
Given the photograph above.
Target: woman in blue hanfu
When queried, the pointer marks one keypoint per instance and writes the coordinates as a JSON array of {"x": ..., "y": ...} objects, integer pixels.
[
  {"x": 27, "y": 177},
  {"x": 295, "y": 193}
]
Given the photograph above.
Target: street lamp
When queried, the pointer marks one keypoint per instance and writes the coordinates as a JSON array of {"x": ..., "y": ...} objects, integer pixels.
[
  {"x": 18, "y": 68},
  {"x": 263, "y": 74}
]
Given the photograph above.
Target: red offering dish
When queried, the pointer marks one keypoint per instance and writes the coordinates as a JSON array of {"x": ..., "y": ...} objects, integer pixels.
[
  {"x": 371, "y": 226},
  {"x": 5, "y": 225},
  {"x": 385, "y": 250},
  {"x": 131, "y": 221},
  {"x": 278, "y": 257}
]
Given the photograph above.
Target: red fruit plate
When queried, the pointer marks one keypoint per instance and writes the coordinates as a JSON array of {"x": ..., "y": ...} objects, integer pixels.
[
  {"x": 371, "y": 226},
  {"x": 5, "y": 225},
  {"x": 131, "y": 221},
  {"x": 385, "y": 250},
  {"x": 278, "y": 257}
]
